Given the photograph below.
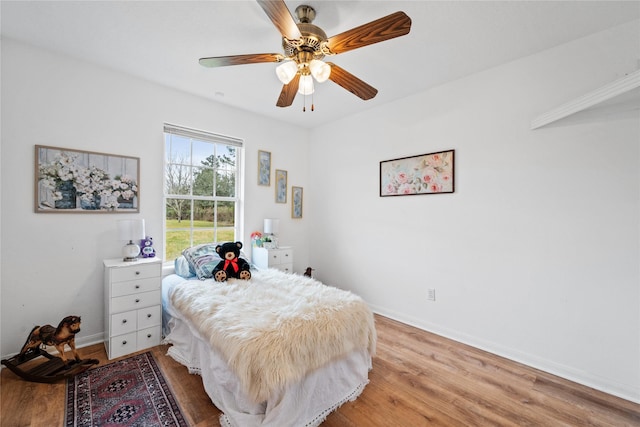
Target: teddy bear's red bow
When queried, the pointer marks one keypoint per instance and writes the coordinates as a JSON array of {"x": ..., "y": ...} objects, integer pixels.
[{"x": 234, "y": 264}]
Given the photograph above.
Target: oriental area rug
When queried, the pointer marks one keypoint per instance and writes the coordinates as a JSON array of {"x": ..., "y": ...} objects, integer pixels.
[{"x": 131, "y": 392}]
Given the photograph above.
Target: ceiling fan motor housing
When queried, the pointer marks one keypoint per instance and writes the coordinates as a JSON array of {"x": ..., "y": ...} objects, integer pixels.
[{"x": 311, "y": 40}]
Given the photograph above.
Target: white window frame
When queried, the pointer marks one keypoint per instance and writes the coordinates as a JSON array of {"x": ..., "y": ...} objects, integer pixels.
[{"x": 204, "y": 136}]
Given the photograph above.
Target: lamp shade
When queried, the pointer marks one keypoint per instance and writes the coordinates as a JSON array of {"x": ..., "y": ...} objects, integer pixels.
[
  {"x": 287, "y": 71},
  {"x": 271, "y": 225},
  {"x": 305, "y": 87},
  {"x": 131, "y": 229},
  {"x": 320, "y": 70}
]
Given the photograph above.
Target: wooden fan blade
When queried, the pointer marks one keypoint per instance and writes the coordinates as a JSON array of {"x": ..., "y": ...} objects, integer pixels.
[
  {"x": 279, "y": 14},
  {"x": 256, "y": 58},
  {"x": 391, "y": 26},
  {"x": 288, "y": 93},
  {"x": 351, "y": 83}
]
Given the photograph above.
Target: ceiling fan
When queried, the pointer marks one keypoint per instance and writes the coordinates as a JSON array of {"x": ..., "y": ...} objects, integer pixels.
[{"x": 305, "y": 45}]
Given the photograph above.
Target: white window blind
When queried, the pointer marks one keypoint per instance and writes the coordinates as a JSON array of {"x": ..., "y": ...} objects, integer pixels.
[{"x": 201, "y": 135}]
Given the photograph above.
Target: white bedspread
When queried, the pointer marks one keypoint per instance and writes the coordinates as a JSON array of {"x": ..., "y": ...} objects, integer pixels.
[
  {"x": 275, "y": 328},
  {"x": 303, "y": 403}
]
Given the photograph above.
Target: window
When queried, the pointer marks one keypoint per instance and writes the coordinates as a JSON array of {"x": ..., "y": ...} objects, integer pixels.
[{"x": 201, "y": 189}]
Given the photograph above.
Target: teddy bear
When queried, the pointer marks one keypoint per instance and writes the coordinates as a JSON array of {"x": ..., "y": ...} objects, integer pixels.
[
  {"x": 146, "y": 248},
  {"x": 231, "y": 265}
]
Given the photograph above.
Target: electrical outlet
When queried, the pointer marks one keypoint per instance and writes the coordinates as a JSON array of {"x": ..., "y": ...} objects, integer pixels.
[{"x": 431, "y": 294}]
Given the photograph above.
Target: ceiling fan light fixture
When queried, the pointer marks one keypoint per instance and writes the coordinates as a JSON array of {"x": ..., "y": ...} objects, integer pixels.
[
  {"x": 305, "y": 87},
  {"x": 320, "y": 70},
  {"x": 287, "y": 71}
]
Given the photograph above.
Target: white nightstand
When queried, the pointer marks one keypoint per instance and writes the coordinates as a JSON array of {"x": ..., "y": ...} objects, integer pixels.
[
  {"x": 281, "y": 258},
  {"x": 133, "y": 305}
]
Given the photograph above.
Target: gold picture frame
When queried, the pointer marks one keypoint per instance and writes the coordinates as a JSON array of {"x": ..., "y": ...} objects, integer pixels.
[
  {"x": 264, "y": 168},
  {"x": 296, "y": 202},
  {"x": 281, "y": 186}
]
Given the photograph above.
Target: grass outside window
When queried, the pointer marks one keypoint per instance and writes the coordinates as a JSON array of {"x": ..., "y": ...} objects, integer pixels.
[{"x": 179, "y": 238}]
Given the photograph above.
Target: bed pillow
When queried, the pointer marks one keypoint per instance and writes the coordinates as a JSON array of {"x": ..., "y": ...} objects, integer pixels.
[
  {"x": 182, "y": 267},
  {"x": 202, "y": 259}
]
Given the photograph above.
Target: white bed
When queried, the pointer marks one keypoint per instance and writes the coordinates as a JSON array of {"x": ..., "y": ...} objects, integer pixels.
[{"x": 278, "y": 350}]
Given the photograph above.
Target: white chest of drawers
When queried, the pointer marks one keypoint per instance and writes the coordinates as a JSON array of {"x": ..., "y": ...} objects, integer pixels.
[
  {"x": 133, "y": 305},
  {"x": 280, "y": 258}
]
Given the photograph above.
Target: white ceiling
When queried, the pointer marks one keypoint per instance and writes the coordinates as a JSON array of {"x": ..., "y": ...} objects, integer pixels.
[{"x": 161, "y": 41}]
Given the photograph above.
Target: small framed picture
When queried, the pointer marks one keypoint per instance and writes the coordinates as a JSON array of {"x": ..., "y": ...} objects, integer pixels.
[
  {"x": 264, "y": 168},
  {"x": 281, "y": 186},
  {"x": 296, "y": 202}
]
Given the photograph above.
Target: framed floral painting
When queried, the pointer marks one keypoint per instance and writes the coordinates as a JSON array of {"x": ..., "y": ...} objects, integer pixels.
[
  {"x": 76, "y": 181},
  {"x": 264, "y": 168},
  {"x": 431, "y": 173},
  {"x": 281, "y": 186},
  {"x": 296, "y": 202}
]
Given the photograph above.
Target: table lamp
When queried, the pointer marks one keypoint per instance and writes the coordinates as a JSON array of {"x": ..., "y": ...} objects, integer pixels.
[
  {"x": 131, "y": 230},
  {"x": 270, "y": 229}
]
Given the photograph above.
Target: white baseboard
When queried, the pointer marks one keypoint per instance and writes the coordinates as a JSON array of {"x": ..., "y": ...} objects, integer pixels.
[
  {"x": 606, "y": 385},
  {"x": 90, "y": 340}
]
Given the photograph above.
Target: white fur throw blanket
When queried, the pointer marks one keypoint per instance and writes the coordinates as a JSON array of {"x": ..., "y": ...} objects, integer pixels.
[{"x": 276, "y": 327}]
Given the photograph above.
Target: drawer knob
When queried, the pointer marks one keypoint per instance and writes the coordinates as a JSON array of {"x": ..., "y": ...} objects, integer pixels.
[
  {"x": 124, "y": 320},
  {"x": 148, "y": 335},
  {"x": 149, "y": 316},
  {"x": 137, "y": 300},
  {"x": 137, "y": 273},
  {"x": 124, "y": 343},
  {"x": 137, "y": 286}
]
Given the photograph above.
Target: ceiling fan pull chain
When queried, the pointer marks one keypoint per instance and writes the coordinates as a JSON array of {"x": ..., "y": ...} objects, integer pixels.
[
  {"x": 304, "y": 103},
  {"x": 312, "y": 106}
]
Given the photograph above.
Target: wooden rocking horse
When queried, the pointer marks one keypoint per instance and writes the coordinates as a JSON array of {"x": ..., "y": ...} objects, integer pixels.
[{"x": 54, "y": 368}]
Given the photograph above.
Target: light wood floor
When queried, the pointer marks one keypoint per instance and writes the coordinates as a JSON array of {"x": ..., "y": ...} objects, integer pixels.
[{"x": 418, "y": 379}]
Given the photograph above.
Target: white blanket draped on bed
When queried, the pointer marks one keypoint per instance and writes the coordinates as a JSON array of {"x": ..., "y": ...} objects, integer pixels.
[{"x": 275, "y": 328}]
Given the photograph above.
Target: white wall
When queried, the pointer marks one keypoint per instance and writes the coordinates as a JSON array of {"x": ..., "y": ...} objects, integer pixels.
[
  {"x": 54, "y": 267},
  {"x": 536, "y": 254}
]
